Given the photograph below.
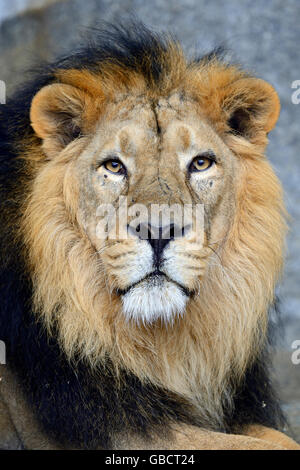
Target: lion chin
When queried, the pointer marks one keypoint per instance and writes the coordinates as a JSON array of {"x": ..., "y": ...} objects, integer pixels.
[{"x": 154, "y": 297}]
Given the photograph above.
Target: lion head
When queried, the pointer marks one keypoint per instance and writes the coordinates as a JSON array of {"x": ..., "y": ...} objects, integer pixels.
[{"x": 148, "y": 125}]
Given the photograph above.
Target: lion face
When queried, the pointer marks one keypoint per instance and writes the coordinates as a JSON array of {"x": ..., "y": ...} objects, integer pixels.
[{"x": 164, "y": 153}]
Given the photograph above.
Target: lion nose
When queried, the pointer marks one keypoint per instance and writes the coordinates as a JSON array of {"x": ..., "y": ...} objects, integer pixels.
[{"x": 159, "y": 237}]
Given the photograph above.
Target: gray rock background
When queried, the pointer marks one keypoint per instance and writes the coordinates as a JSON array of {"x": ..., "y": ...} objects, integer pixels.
[
  {"x": 10, "y": 8},
  {"x": 263, "y": 35}
]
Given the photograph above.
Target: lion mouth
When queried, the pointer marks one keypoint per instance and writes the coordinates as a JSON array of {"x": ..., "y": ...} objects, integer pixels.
[{"x": 156, "y": 277}]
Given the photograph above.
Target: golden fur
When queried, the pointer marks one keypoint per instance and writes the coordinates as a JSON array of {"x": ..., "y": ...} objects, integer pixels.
[{"x": 74, "y": 278}]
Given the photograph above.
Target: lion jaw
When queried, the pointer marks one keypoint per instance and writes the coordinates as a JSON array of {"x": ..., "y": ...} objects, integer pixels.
[{"x": 153, "y": 298}]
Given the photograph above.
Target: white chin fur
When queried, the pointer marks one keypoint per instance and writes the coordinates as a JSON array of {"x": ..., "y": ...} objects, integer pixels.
[{"x": 152, "y": 299}]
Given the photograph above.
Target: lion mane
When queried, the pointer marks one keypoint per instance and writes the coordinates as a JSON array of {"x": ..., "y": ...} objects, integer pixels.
[{"x": 88, "y": 373}]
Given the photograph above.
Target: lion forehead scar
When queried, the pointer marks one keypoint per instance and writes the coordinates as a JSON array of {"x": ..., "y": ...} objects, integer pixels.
[{"x": 136, "y": 138}]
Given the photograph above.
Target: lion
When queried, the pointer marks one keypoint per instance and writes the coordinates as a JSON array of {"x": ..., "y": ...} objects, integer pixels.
[{"x": 139, "y": 342}]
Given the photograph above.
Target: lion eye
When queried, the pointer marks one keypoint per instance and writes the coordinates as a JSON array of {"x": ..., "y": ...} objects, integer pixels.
[
  {"x": 114, "y": 166},
  {"x": 201, "y": 163}
]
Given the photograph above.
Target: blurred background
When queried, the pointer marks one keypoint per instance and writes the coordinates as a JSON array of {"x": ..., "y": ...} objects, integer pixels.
[{"x": 263, "y": 35}]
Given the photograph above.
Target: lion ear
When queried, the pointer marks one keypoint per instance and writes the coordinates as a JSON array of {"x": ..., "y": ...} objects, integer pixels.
[
  {"x": 56, "y": 115},
  {"x": 251, "y": 106}
]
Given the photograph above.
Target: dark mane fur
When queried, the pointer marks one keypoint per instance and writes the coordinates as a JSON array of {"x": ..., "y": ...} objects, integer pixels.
[{"x": 76, "y": 406}]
